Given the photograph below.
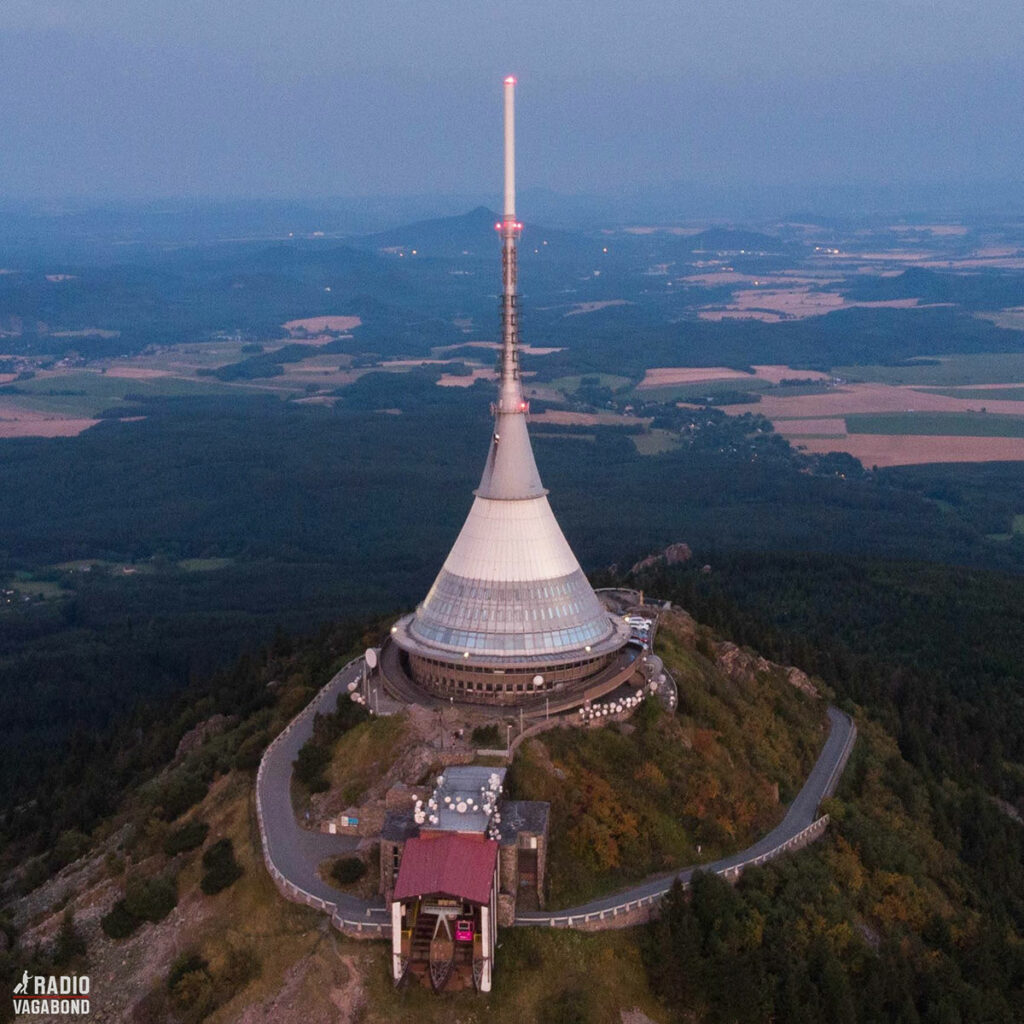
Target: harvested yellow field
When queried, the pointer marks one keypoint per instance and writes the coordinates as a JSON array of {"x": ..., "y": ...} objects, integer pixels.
[
  {"x": 662, "y": 376},
  {"x": 22, "y": 423},
  {"x": 904, "y": 450},
  {"x": 322, "y": 324},
  {"x": 775, "y": 372},
  {"x": 854, "y": 398},
  {"x": 939, "y": 230},
  {"x": 593, "y": 307},
  {"x": 496, "y": 346},
  {"x": 451, "y": 380},
  {"x": 773, "y": 304},
  {"x": 794, "y": 428},
  {"x": 136, "y": 372},
  {"x": 666, "y": 376},
  {"x": 586, "y": 419}
]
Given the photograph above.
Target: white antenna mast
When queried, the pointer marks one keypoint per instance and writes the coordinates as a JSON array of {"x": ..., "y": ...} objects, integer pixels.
[{"x": 510, "y": 399}]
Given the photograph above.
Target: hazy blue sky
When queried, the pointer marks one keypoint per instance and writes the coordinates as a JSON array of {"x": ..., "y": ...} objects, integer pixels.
[{"x": 264, "y": 97}]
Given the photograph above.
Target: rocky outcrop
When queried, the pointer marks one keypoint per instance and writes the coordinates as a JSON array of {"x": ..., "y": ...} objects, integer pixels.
[
  {"x": 674, "y": 554},
  {"x": 198, "y": 735},
  {"x": 744, "y": 666}
]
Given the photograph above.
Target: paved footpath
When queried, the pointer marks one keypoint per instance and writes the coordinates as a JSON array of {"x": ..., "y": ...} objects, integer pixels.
[{"x": 296, "y": 852}]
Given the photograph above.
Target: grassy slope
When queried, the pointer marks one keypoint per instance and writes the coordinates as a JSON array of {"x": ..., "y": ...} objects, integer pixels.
[{"x": 365, "y": 753}]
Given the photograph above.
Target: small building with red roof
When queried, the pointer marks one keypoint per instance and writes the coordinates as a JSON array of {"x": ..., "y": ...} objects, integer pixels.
[{"x": 450, "y": 866}]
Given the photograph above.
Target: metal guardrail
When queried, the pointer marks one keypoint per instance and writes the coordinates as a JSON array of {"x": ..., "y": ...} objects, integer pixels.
[
  {"x": 837, "y": 771},
  {"x": 807, "y": 835}
]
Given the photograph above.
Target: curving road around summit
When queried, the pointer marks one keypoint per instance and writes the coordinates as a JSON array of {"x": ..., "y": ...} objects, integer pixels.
[{"x": 293, "y": 853}]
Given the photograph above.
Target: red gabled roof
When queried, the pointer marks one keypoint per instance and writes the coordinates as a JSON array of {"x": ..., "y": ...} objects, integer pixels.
[{"x": 453, "y": 865}]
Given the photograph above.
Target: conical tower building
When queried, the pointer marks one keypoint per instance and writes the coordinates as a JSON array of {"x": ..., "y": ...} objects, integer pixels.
[{"x": 511, "y": 613}]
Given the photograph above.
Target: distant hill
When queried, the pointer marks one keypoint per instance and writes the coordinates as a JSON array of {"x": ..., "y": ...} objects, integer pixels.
[
  {"x": 988, "y": 290},
  {"x": 471, "y": 234}
]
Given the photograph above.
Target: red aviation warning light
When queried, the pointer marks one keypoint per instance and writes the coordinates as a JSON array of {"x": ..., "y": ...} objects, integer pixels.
[{"x": 510, "y": 80}]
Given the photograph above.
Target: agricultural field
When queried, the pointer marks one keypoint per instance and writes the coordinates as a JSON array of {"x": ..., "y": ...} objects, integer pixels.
[
  {"x": 951, "y": 424},
  {"x": 942, "y": 371}
]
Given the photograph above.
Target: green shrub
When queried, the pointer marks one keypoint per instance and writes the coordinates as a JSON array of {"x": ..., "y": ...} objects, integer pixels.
[
  {"x": 151, "y": 899},
  {"x": 70, "y": 846},
  {"x": 190, "y": 836},
  {"x": 319, "y": 785},
  {"x": 221, "y": 867},
  {"x": 69, "y": 943},
  {"x": 119, "y": 924},
  {"x": 573, "y": 1006},
  {"x": 249, "y": 752},
  {"x": 178, "y": 792},
  {"x": 185, "y": 963},
  {"x": 34, "y": 874},
  {"x": 241, "y": 965},
  {"x": 194, "y": 996},
  {"x": 346, "y": 870},
  {"x": 196, "y": 991},
  {"x": 309, "y": 765},
  {"x": 487, "y": 736}
]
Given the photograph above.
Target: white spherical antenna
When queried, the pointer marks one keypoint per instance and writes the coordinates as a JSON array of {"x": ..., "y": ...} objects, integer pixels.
[{"x": 370, "y": 657}]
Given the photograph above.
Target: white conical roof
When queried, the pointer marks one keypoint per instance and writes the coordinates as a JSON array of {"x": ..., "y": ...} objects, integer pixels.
[{"x": 511, "y": 583}]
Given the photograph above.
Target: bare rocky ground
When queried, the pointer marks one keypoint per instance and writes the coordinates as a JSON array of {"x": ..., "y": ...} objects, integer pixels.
[
  {"x": 433, "y": 740},
  {"x": 303, "y": 978}
]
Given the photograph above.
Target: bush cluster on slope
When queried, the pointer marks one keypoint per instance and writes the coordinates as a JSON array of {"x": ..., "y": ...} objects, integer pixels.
[
  {"x": 880, "y": 921},
  {"x": 667, "y": 790}
]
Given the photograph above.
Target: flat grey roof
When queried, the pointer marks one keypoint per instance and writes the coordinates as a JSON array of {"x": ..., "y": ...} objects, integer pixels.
[{"x": 523, "y": 816}]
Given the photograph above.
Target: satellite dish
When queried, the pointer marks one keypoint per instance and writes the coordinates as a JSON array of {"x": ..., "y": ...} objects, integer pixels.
[
  {"x": 371, "y": 657},
  {"x": 538, "y": 680}
]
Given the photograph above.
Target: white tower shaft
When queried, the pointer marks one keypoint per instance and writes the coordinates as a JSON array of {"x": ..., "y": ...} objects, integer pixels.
[{"x": 510, "y": 400}]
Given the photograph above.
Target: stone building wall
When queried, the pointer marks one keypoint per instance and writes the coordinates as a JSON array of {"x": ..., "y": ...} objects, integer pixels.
[
  {"x": 388, "y": 873},
  {"x": 542, "y": 869},
  {"x": 508, "y": 874}
]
